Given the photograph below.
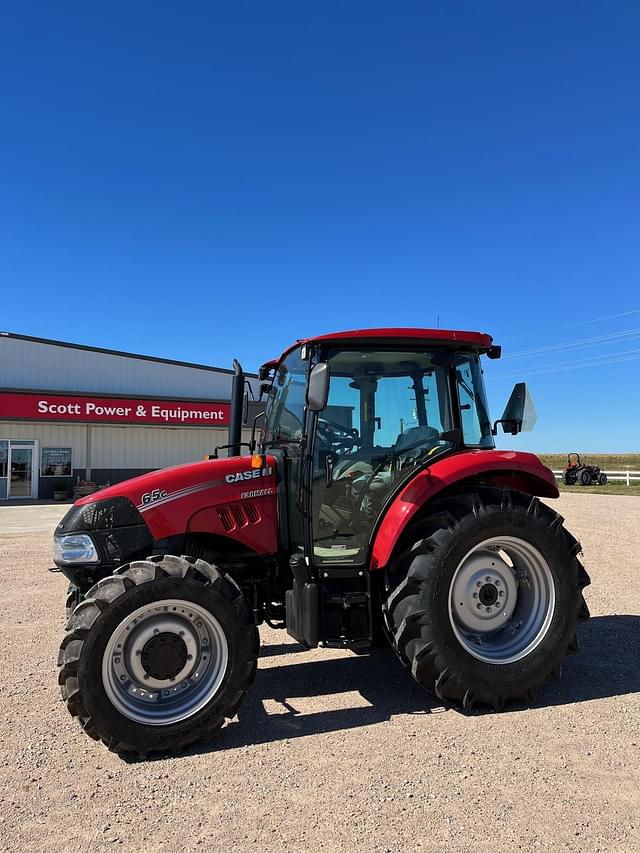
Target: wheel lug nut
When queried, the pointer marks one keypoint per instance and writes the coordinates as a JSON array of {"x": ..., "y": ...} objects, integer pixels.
[
  {"x": 189, "y": 657},
  {"x": 501, "y": 592},
  {"x": 146, "y": 678},
  {"x": 479, "y": 584},
  {"x": 497, "y": 582},
  {"x": 182, "y": 633},
  {"x": 479, "y": 606},
  {"x": 475, "y": 594}
]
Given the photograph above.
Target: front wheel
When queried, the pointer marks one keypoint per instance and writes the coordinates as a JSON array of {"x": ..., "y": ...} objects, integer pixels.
[
  {"x": 158, "y": 655},
  {"x": 603, "y": 479},
  {"x": 74, "y": 597},
  {"x": 483, "y": 604}
]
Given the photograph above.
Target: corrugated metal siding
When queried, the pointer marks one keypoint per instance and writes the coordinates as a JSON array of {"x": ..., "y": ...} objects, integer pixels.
[
  {"x": 49, "y": 435},
  {"x": 151, "y": 447},
  {"x": 122, "y": 448},
  {"x": 40, "y": 366}
]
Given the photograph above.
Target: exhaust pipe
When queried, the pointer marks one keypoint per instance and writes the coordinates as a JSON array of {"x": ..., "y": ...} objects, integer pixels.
[{"x": 237, "y": 397}]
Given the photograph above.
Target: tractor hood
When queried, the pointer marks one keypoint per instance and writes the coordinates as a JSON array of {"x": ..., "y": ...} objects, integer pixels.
[
  {"x": 167, "y": 499},
  {"x": 220, "y": 497},
  {"x": 167, "y": 485}
]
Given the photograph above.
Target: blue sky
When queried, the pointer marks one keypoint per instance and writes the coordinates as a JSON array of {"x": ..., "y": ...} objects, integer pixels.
[{"x": 206, "y": 180}]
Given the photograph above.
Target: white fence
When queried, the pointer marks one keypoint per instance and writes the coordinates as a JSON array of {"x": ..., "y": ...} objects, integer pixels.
[{"x": 627, "y": 477}]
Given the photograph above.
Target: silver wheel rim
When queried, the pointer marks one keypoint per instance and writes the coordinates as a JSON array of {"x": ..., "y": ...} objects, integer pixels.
[
  {"x": 501, "y": 600},
  {"x": 134, "y": 665}
]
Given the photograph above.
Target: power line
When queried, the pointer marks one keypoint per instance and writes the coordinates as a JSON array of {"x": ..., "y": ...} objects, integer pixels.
[
  {"x": 581, "y": 323},
  {"x": 594, "y": 361},
  {"x": 611, "y": 358},
  {"x": 585, "y": 342},
  {"x": 528, "y": 368}
]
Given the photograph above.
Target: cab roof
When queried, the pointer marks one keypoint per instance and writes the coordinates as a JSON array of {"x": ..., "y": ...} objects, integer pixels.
[{"x": 478, "y": 341}]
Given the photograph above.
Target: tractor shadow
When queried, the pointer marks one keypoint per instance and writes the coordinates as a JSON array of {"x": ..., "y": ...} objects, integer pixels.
[
  {"x": 608, "y": 665},
  {"x": 376, "y": 683}
]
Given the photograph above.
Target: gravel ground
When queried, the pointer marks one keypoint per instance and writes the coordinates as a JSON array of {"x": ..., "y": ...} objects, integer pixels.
[{"x": 333, "y": 751}]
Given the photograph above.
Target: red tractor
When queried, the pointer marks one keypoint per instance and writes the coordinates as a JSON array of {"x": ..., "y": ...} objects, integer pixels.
[
  {"x": 372, "y": 508},
  {"x": 576, "y": 473}
]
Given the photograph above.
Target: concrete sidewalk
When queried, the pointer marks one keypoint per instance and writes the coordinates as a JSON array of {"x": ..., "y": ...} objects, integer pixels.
[{"x": 31, "y": 518}]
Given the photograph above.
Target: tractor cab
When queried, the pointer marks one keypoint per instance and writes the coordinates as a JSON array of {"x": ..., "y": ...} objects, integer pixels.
[{"x": 354, "y": 417}]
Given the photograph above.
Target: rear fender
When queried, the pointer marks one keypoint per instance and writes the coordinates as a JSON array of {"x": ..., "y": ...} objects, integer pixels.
[{"x": 506, "y": 469}]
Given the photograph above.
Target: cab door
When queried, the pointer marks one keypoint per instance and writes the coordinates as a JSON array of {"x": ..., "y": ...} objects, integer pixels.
[
  {"x": 283, "y": 434},
  {"x": 388, "y": 412}
]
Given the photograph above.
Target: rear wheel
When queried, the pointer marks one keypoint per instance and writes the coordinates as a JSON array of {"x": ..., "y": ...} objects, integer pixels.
[
  {"x": 483, "y": 603},
  {"x": 584, "y": 477},
  {"x": 158, "y": 655}
]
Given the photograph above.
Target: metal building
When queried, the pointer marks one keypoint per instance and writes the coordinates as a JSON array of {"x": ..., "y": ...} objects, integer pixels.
[{"x": 71, "y": 413}]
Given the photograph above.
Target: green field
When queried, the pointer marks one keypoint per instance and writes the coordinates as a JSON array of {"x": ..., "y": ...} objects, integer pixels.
[{"x": 606, "y": 461}]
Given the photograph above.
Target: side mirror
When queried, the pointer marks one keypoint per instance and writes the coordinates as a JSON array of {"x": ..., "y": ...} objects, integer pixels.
[
  {"x": 519, "y": 414},
  {"x": 318, "y": 388}
]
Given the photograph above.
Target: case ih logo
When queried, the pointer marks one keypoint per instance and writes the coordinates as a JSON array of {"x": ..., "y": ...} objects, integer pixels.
[
  {"x": 58, "y": 407},
  {"x": 252, "y": 474}
]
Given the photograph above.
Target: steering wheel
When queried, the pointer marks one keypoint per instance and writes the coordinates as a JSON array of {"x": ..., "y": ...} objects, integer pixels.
[
  {"x": 386, "y": 460},
  {"x": 337, "y": 436}
]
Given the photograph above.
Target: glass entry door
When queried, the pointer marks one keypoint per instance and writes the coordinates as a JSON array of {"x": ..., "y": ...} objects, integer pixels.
[{"x": 20, "y": 471}]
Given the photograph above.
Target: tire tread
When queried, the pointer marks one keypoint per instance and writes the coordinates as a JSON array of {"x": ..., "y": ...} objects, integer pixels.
[
  {"x": 407, "y": 606},
  {"x": 108, "y": 590}
]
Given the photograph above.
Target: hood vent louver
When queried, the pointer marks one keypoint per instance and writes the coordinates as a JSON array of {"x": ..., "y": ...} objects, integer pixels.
[{"x": 236, "y": 516}]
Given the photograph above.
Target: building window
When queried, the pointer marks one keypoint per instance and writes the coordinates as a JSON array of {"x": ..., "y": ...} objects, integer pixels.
[
  {"x": 55, "y": 462},
  {"x": 4, "y": 453}
]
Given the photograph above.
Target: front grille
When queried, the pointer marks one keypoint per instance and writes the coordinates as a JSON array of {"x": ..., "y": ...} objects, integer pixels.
[{"x": 105, "y": 514}]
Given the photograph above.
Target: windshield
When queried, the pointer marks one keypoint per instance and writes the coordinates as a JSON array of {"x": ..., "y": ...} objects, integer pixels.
[{"x": 284, "y": 418}]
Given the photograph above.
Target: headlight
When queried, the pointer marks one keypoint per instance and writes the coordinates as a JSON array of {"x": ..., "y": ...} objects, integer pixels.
[{"x": 74, "y": 548}]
